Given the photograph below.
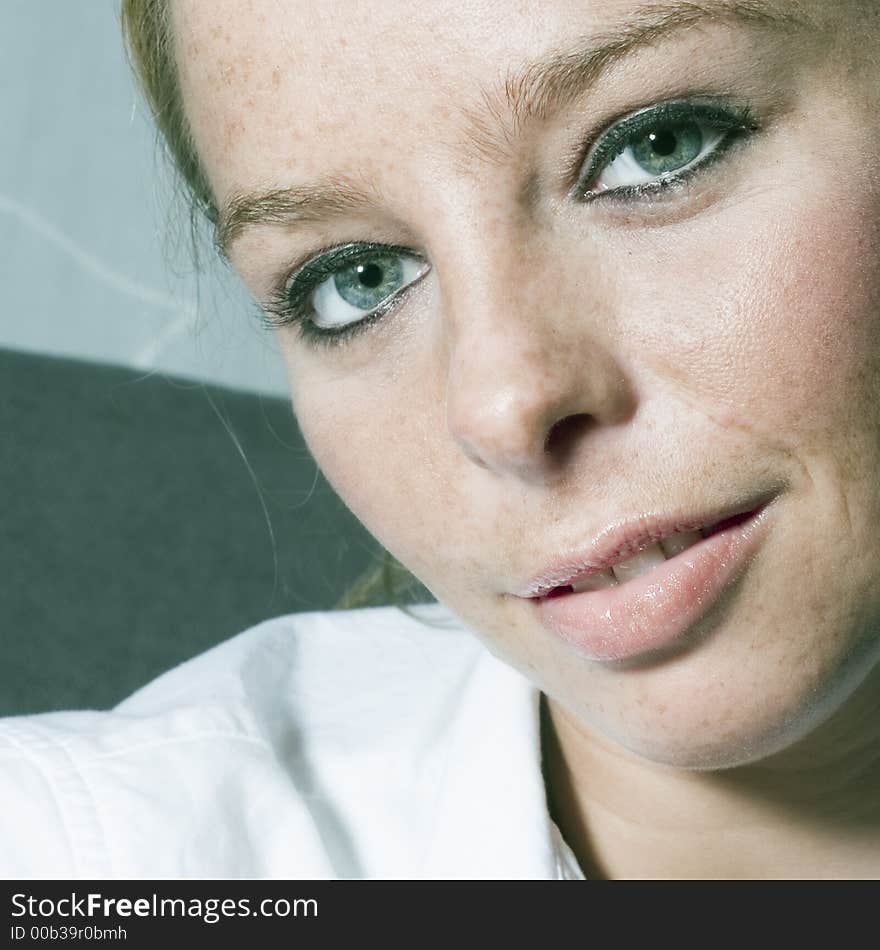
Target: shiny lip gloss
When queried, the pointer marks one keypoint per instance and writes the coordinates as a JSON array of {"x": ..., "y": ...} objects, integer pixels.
[{"x": 655, "y": 610}]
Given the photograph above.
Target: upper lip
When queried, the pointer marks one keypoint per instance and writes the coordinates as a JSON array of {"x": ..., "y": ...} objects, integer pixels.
[{"x": 624, "y": 538}]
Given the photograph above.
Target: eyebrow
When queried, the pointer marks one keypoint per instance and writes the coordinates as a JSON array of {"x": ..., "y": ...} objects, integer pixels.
[{"x": 533, "y": 91}]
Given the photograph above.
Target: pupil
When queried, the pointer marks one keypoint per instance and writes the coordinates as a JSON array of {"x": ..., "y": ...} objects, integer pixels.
[
  {"x": 664, "y": 143},
  {"x": 370, "y": 275}
]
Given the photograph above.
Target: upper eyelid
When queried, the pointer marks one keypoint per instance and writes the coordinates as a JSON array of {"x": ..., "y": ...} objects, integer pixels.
[
  {"x": 344, "y": 253},
  {"x": 335, "y": 251}
]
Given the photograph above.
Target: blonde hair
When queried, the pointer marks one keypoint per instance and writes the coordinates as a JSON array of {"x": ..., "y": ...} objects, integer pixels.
[
  {"x": 149, "y": 43},
  {"x": 150, "y": 46}
]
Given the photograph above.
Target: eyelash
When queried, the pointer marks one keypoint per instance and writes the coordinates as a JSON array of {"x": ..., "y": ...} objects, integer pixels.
[{"x": 289, "y": 302}]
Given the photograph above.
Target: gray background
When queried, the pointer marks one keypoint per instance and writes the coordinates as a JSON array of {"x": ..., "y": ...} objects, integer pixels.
[{"x": 92, "y": 264}]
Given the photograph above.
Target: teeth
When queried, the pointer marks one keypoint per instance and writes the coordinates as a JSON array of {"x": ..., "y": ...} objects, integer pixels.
[
  {"x": 641, "y": 563},
  {"x": 680, "y": 542},
  {"x": 646, "y": 560},
  {"x": 595, "y": 582}
]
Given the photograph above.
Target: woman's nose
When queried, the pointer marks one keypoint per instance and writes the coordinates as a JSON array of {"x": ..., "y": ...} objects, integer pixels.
[{"x": 525, "y": 389}]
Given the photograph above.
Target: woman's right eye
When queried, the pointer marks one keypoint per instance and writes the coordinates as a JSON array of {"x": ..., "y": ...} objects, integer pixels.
[{"x": 336, "y": 294}]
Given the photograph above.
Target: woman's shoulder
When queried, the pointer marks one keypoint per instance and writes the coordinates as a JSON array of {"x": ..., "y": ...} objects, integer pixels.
[
  {"x": 318, "y": 653},
  {"x": 263, "y": 736}
]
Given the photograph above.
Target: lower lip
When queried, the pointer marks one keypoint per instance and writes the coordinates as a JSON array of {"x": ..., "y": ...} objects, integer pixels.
[{"x": 651, "y": 612}]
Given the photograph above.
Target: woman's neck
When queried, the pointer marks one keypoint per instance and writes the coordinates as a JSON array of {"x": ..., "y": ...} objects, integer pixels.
[{"x": 812, "y": 811}]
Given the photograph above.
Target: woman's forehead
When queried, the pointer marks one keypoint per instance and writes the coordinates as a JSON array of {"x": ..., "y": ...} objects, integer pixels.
[
  {"x": 313, "y": 69},
  {"x": 274, "y": 89}
]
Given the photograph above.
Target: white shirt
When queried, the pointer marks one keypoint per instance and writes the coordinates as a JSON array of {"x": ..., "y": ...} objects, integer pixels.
[{"x": 341, "y": 744}]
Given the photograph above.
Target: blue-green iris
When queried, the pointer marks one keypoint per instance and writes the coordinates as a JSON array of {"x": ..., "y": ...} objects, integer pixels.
[
  {"x": 367, "y": 283},
  {"x": 666, "y": 149}
]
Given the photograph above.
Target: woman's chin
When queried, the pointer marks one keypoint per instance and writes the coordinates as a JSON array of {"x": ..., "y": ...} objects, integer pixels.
[{"x": 784, "y": 724}]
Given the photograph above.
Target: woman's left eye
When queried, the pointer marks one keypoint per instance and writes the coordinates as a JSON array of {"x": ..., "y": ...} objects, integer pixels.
[{"x": 660, "y": 146}]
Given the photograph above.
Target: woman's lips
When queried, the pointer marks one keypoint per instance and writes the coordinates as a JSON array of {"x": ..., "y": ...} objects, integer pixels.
[{"x": 653, "y": 610}]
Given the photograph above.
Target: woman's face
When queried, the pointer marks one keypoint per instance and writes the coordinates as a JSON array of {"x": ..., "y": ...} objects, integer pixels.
[{"x": 643, "y": 284}]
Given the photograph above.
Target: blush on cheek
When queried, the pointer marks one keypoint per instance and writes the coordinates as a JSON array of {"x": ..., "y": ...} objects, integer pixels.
[
  {"x": 824, "y": 297},
  {"x": 781, "y": 327}
]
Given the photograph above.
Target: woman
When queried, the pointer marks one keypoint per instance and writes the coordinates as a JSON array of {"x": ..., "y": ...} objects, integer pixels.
[{"x": 580, "y": 305}]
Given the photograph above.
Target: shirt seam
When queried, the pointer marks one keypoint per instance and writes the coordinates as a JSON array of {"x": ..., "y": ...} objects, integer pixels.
[
  {"x": 67, "y": 812},
  {"x": 49, "y": 742}
]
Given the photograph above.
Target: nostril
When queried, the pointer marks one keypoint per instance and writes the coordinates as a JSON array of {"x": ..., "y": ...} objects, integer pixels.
[{"x": 564, "y": 433}]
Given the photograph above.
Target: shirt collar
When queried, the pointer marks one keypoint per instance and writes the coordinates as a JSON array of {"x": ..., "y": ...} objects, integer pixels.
[{"x": 492, "y": 819}]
